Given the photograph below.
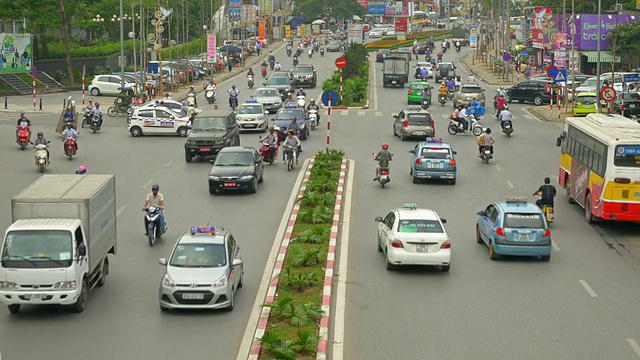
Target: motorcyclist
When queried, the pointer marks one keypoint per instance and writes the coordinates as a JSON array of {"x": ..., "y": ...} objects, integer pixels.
[
  {"x": 547, "y": 192},
  {"x": 424, "y": 73},
  {"x": 426, "y": 95},
  {"x": 271, "y": 139},
  {"x": 167, "y": 96},
  {"x": 439, "y": 56},
  {"x": 68, "y": 115},
  {"x": 458, "y": 44},
  {"x": 250, "y": 73},
  {"x": 192, "y": 93},
  {"x": 271, "y": 57},
  {"x": 505, "y": 115},
  {"x": 457, "y": 83},
  {"x": 277, "y": 66},
  {"x": 301, "y": 92},
  {"x": 97, "y": 111},
  {"x": 290, "y": 101},
  {"x": 155, "y": 199},
  {"x": 462, "y": 117},
  {"x": 295, "y": 127},
  {"x": 474, "y": 107},
  {"x": 81, "y": 170},
  {"x": 70, "y": 132},
  {"x": 292, "y": 140},
  {"x": 499, "y": 102},
  {"x": 442, "y": 90},
  {"x": 295, "y": 61},
  {"x": 41, "y": 140},
  {"x": 23, "y": 123},
  {"x": 450, "y": 86},
  {"x": 486, "y": 139},
  {"x": 313, "y": 106},
  {"x": 383, "y": 156},
  {"x": 233, "y": 92}
]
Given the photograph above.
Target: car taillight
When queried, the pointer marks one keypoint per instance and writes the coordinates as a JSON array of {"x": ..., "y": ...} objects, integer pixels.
[
  {"x": 452, "y": 162},
  {"x": 445, "y": 245},
  {"x": 418, "y": 161},
  {"x": 91, "y": 82},
  {"x": 621, "y": 107},
  {"x": 547, "y": 89},
  {"x": 500, "y": 232},
  {"x": 432, "y": 123},
  {"x": 409, "y": 92},
  {"x": 405, "y": 123},
  {"x": 396, "y": 243},
  {"x": 546, "y": 233}
]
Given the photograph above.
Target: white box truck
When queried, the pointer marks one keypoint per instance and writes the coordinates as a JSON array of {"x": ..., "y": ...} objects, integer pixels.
[{"x": 64, "y": 226}]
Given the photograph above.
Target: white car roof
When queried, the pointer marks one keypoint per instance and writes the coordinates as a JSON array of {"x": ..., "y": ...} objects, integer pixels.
[
  {"x": 424, "y": 214},
  {"x": 169, "y": 110}
]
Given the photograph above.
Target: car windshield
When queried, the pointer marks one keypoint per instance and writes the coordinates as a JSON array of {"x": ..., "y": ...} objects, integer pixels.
[
  {"x": 288, "y": 114},
  {"x": 209, "y": 123},
  {"x": 250, "y": 109},
  {"x": 267, "y": 93},
  {"x": 590, "y": 83},
  {"x": 383, "y": 51},
  {"x": 627, "y": 156},
  {"x": 37, "y": 249},
  {"x": 523, "y": 221},
  {"x": 278, "y": 80},
  {"x": 303, "y": 69},
  {"x": 630, "y": 96},
  {"x": 234, "y": 159},
  {"x": 434, "y": 153},
  {"x": 586, "y": 99},
  {"x": 419, "y": 226},
  {"x": 419, "y": 86},
  {"x": 445, "y": 66},
  {"x": 334, "y": 43},
  {"x": 470, "y": 90},
  {"x": 199, "y": 256}
]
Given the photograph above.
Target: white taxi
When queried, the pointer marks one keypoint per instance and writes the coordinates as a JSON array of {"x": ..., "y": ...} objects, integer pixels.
[
  {"x": 158, "y": 120},
  {"x": 252, "y": 116},
  {"x": 413, "y": 236}
]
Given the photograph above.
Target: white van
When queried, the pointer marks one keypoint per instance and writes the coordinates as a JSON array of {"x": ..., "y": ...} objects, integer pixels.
[{"x": 590, "y": 85}]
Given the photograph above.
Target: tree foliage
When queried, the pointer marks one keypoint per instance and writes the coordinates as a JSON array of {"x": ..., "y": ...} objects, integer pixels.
[
  {"x": 317, "y": 9},
  {"x": 626, "y": 38}
]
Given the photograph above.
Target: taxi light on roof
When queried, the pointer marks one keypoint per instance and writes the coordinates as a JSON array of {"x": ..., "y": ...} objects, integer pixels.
[
  {"x": 434, "y": 140},
  {"x": 203, "y": 230},
  {"x": 517, "y": 199},
  {"x": 410, "y": 206},
  {"x": 415, "y": 107}
]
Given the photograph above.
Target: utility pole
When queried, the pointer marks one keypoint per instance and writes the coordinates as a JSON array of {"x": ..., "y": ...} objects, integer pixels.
[
  {"x": 572, "y": 63},
  {"x": 598, "y": 56}
]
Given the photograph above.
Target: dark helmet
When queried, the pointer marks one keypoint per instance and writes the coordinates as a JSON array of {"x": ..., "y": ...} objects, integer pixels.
[
  {"x": 155, "y": 187},
  {"x": 547, "y": 180},
  {"x": 40, "y": 133},
  {"x": 488, "y": 131}
]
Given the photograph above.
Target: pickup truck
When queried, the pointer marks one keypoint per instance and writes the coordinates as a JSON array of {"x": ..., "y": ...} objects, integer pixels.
[
  {"x": 395, "y": 69},
  {"x": 55, "y": 251}
]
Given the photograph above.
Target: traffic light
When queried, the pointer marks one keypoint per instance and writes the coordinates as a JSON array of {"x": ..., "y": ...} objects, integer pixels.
[{"x": 471, "y": 11}]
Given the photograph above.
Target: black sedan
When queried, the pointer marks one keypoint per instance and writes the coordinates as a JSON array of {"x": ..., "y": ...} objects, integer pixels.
[
  {"x": 334, "y": 46},
  {"x": 381, "y": 54},
  {"x": 631, "y": 105},
  {"x": 236, "y": 168}
]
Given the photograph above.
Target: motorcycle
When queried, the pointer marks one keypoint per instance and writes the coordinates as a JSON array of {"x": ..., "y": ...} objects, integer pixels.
[
  {"x": 70, "y": 147},
  {"x": 119, "y": 106},
  {"x": 265, "y": 152},
  {"x": 233, "y": 101},
  {"x": 288, "y": 155},
  {"x": 301, "y": 100},
  {"x": 272, "y": 63},
  {"x": 210, "y": 94},
  {"x": 41, "y": 156},
  {"x": 23, "y": 138},
  {"x": 425, "y": 104},
  {"x": 289, "y": 51},
  {"x": 298, "y": 52},
  {"x": 507, "y": 128},
  {"x": 310, "y": 52},
  {"x": 486, "y": 155},
  {"x": 250, "y": 81},
  {"x": 313, "y": 118},
  {"x": 547, "y": 210},
  {"x": 442, "y": 99},
  {"x": 444, "y": 50},
  {"x": 455, "y": 127},
  {"x": 264, "y": 72},
  {"x": 383, "y": 173},
  {"x": 295, "y": 61},
  {"x": 457, "y": 48},
  {"x": 86, "y": 119},
  {"x": 321, "y": 51},
  {"x": 154, "y": 233},
  {"x": 95, "y": 123}
]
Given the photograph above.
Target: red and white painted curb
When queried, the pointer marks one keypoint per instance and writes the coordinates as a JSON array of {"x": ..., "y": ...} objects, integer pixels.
[{"x": 328, "y": 275}]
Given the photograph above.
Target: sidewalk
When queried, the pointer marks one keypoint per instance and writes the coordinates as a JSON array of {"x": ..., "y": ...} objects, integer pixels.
[
  {"x": 485, "y": 73},
  {"x": 545, "y": 113},
  {"x": 52, "y": 103}
]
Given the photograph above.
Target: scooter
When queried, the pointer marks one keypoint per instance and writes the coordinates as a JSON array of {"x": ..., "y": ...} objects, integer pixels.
[
  {"x": 507, "y": 128},
  {"x": 154, "y": 233},
  {"x": 547, "y": 210},
  {"x": 444, "y": 50},
  {"x": 295, "y": 61},
  {"x": 457, "y": 48},
  {"x": 233, "y": 101},
  {"x": 301, "y": 100},
  {"x": 86, "y": 120},
  {"x": 272, "y": 63},
  {"x": 425, "y": 104},
  {"x": 455, "y": 127},
  {"x": 263, "y": 71},
  {"x": 383, "y": 173},
  {"x": 321, "y": 51},
  {"x": 191, "y": 100},
  {"x": 313, "y": 118},
  {"x": 486, "y": 155},
  {"x": 310, "y": 52},
  {"x": 23, "y": 138},
  {"x": 95, "y": 123},
  {"x": 265, "y": 152},
  {"x": 70, "y": 147},
  {"x": 250, "y": 81},
  {"x": 210, "y": 94},
  {"x": 41, "y": 156},
  {"x": 442, "y": 99},
  {"x": 289, "y": 51}
]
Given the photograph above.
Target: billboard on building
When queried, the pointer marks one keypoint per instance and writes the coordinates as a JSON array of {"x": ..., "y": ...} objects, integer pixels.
[
  {"x": 354, "y": 33},
  {"x": 211, "y": 48},
  {"x": 540, "y": 25},
  {"x": 16, "y": 54}
]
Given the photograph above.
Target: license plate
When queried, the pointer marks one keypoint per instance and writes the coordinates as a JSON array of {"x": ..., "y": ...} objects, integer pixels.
[
  {"x": 587, "y": 106},
  {"x": 523, "y": 237},
  {"x": 487, "y": 152},
  {"x": 205, "y": 149},
  {"x": 229, "y": 184},
  {"x": 251, "y": 125},
  {"x": 34, "y": 296},
  {"x": 422, "y": 248},
  {"x": 193, "y": 296},
  {"x": 420, "y": 133},
  {"x": 632, "y": 105},
  {"x": 435, "y": 165},
  {"x": 393, "y": 82}
]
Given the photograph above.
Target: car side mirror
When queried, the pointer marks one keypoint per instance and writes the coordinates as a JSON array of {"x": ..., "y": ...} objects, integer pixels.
[
  {"x": 49, "y": 142},
  {"x": 236, "y": 262},
  {"x": 171, "y": 117},
  {"x": 266, "y": 112},
  {"x": 162, "y": 261},
  {"x": 444, "y": 221},
  {"x": 410, "y": 151},
  {"x": 481, "y": 213},
  {"x": 211, "y": 161},
  {"x": 378, "y": 219},
  {"x": 395, "y": 116},
  {"x": 82, "y": 250},
  {"x": 454, "y": 152},
  {"x": 482, "y": 90}
]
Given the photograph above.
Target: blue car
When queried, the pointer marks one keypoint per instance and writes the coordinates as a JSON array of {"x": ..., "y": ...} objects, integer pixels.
[
  {"x": 433, "y": 159},
  {"x": 514, "y": 227},
  {"x": 283, "y": 119}
]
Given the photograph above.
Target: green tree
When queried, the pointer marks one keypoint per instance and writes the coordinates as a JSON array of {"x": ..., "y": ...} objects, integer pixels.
[
  {"x": 626, "y": 37},
  {"x": 313, "y": 9}
]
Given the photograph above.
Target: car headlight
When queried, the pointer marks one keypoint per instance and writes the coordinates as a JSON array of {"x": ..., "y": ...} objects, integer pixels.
[
  {"x": 72, "y": 284},
  {"x": 8, "y": 285},
  {"x": 260, "y": 117},
  {"x": 278, "y": 102},
  {"x": 220, "y": 282},
  {"x": 191, "y": 142},
  {"x": 214, "y": 178},
  {"x": 246, "y": 177},
  {"x": 167, "y": 281}
]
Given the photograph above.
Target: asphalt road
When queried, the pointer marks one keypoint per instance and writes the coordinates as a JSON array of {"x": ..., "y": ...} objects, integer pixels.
[
  {"x": 577, "y": 306},
  {"x": 123, "y": 319}
]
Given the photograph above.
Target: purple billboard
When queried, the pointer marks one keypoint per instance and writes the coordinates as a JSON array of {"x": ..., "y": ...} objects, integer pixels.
[{"x": 586, "y": 29}]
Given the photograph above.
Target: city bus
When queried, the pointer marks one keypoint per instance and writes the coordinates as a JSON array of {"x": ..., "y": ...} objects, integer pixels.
[
  {"x": 418, "y": 17},
  {"x": 600, "y": 166}
]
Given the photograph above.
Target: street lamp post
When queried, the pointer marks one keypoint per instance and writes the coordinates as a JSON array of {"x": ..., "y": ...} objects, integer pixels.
[
  {"x": 155, "y": 38},
  {"x": 122, "y": 61},
  {"x": 98, "y": 20}
]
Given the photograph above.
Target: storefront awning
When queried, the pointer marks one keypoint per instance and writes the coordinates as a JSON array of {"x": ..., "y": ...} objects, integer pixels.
[{"x": 605, "y": 56}]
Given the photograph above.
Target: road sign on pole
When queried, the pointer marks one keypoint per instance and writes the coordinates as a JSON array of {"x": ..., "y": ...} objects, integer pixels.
[
  {"x": 341, "y": 63},
  {"x": 552, "y": 71},
  {"x": 607, "y": 94},
  {"x": 329, "y": 98},
  {"x": 631, "y": 78},
  {"x": 506, "y": 57},
  {"x": 561, "y": 76}
]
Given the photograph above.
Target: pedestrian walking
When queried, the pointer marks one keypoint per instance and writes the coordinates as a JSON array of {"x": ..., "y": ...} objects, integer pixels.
[
  {"x": 230, "y": 64},
  {"x": 258, "y": 48}
]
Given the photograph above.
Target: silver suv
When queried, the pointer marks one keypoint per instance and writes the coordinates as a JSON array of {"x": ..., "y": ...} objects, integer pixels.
[
  {"x": 204, "y": 271},
  {"x": 466, "y": 93}
]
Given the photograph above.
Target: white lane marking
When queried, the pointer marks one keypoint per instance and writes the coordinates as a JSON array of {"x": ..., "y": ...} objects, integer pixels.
[
  {"x": 588, "y": 288},
  {"x": 634, "y": 346},
  {"x": 360, "y": 112},
  {"x": 341, "y": 292},
  {"x": 510, "y": 184},
  {"x": 147, "y": 184},
  {"x": 378, "y": 113},
  {"x": 252, "y": 323},
  {"x": 533, "y": 117},
  {"x": 498, "y": 167},
  {"x": 527, "y": 116},
  {"x": 169, "y": 163},
  {"x": 344, "y": 112},
  {"x": 555, "y": 245},
  {"x": 120, "y": 210}
]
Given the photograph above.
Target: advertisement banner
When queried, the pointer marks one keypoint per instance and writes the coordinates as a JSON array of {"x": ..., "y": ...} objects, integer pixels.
[
  {"x": 234, "y": 9},
  {"x": 473, "y": 36},
  {"x": 559, "y": 46},
  {"x": 395, "y": 8},
  {"x": 587, "y": 29},
  {"x": 354, "y": 33},
  {"x": 287, "y": 31},
  {"x": 303, "y": 30},
  {"x": 249, "y": 14},
  {"x": 376, "y": 9},
  {"x": 401, "y": 24},
  {"x": 539, "y": 25},
  {"x": 637, "y": 4},
  {"x": 261, "y": 26},
  {"x": 211, "y": 48},
  {"x": 15, "y": 54},
  {"x": 365, "y": 2}
]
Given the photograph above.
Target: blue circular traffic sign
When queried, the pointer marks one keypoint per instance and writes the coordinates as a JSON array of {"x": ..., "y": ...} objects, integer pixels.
[
  {"x": 506, "y": 57},
  {"x": 329, "y": 94},
  {"x": 552, "y": 71}
]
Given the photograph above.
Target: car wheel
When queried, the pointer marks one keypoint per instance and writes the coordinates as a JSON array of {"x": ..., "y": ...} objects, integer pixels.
[
  {"x": 82, "y": 299},
  {"x": 566, "y": 188},
  {"x": 509, "y": 100},
  {"x": 520, "y": 101},
  {"x": 95, "y": 91},
  {"x": 14, "y": 308},
  {"x": 545, "y": 257},
  {"x": 379, "y": 246},
  {"x": 390, "y": 266},
  {"x": 452, "y": 182},
  {"x": 492, "y": 253},
  {"x": 182, "y": 131},
  {"x": 231, "y": 301},
  {"x": 478, "y": 236},
  {"x": 254, "y": 186},
  {"x": 212, "y": 191},
  {"x": 261, "y": 180},
  {"x": 402, "y": 137},
  {"x": 414, "y": 179},
  {"x": 537, "y": 100},
  {"x": 238, "y": 141},
  {"x": 445, "y": 267},
  {"x": 136, "y": 131},
  {"x": 103, "y": 273}
]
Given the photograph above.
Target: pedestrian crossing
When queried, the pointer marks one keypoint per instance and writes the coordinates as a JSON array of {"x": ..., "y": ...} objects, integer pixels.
[{"x": 373, "y": 113}]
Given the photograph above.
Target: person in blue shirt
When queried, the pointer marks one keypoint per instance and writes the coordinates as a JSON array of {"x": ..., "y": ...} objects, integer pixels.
[
  {"x": 68, "y": 115},
  {"x": 450, "y": 86},
  {"x": 474, "y": 106},
  {"x": 424, "y": 73},
  {"x": 70, "y": 131}
]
